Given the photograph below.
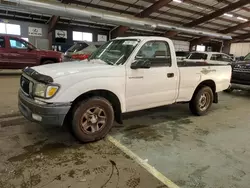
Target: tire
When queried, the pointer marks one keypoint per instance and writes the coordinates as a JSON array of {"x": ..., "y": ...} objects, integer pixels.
[
  {"x": 48, "y": 62},
  {"x": 90, "y": 113},
  {"x": 196, "y": 105}
]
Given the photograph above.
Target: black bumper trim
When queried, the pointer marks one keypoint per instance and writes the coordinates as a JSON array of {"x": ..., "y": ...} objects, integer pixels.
[{"x": 52, "y": 114}]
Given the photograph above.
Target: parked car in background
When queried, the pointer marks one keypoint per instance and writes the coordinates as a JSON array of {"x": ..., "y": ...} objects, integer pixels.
[
  {"x": 81, "y": 50},
  {"x": 240, "y": 75},
  {"x": 209, "y": 58},
  {"x": 16, "y": 53},
  {"x": 181, "y": 55},
  {"x": 124, "y": 75}
]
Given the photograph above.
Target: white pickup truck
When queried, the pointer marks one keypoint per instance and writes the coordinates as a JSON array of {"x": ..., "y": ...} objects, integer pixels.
[{"x": 123, "y": 75}]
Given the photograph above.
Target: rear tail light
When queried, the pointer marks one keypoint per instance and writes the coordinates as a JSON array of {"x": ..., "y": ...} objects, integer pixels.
[{"x": 80, "y": 56}]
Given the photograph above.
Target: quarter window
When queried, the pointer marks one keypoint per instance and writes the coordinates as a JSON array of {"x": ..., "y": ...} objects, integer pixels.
[
  {"x": 221, "y": 57},
  {"x": 157, "y": 52}
]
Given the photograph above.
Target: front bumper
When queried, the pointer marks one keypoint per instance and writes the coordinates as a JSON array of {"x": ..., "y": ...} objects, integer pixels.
[{"x": 46, "y": 114}]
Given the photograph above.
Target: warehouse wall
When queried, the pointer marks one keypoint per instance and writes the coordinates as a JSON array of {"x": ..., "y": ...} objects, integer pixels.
[
  {"x": 25, "y": 31},
  {"x": 240, "y": 49},
  {"x": 69, "y": 41},
  {"x": 181, "y": 45}
]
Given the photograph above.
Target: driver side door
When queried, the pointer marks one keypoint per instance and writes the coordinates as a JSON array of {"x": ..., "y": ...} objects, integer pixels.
[{"x": 154, "y": 86}]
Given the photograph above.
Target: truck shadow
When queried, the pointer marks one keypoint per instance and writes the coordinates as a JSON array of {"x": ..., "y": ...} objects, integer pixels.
[
  {"x": 240, "y": 93},
  {"x": 154, "y": 124}
]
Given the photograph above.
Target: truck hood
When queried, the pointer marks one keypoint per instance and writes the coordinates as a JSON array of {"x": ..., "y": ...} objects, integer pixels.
[{"x": 63, "y": 69}]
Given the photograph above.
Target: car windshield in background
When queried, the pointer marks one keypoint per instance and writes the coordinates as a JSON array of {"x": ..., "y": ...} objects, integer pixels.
[
  {"x": 247, "y": 57},
  {"x": 115, "y": 52},
  {"x": 78, "y": 47},
  {"x": 197, "y": 56},
  {"x": 182, "y": 54}
]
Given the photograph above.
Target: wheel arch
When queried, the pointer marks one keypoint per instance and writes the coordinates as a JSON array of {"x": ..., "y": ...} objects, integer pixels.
[
  {"x": 209, "y": 83},
  {"x": 108, "y": 95}
]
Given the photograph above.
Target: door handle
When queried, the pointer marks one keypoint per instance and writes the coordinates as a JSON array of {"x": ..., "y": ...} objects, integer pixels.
[{"x": 170, "y": 75}]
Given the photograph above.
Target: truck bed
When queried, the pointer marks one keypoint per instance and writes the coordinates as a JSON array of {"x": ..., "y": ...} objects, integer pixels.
[{"x": 191, "y": 74}]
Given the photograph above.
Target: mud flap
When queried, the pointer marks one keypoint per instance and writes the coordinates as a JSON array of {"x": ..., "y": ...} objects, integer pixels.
[{"x": 216, "y": 100}]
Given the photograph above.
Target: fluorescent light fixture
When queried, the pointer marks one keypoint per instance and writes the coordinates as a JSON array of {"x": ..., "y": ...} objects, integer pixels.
[
  {"x": 240, "y": 18},
  {"x": 229, "y": 15},
  {"x": 178, "y": 1}
]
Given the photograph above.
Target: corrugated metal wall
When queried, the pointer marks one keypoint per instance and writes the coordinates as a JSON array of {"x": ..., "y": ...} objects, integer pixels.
[
  {"x": 181, "y": 45},
  {"x": 240, "y": 49}
]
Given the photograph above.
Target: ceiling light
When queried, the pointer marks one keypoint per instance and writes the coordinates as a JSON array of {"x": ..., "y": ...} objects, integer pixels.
[
  {"x": 178, "y": 1},
  {"x": 240, "y": 18},
  {"x": 229, "y": 15}
]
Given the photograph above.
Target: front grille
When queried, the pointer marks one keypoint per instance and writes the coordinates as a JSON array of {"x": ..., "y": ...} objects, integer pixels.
[{"x": 25, "y": 85}]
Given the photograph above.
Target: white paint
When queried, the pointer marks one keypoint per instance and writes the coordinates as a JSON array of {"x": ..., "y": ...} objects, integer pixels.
[
  {"x": 136, "y": 89},
  {"x": 35, "y": 31},
  {"x": 143, "y": 163},
  {"x": 240, "y": 49}
]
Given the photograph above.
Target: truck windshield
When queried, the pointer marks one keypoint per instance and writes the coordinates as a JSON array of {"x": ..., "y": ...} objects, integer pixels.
[
  {"x": 247, "y": 57},
  {"x": 115, "y": 52}
]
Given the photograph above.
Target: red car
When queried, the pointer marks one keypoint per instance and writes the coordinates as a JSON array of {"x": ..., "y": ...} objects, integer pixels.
[{"x": 16, "y": 53}]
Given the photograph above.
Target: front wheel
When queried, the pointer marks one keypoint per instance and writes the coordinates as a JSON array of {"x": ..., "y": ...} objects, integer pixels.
[
  {"x": 201, "y": 101},
  {"x": 92, "y": 119}
]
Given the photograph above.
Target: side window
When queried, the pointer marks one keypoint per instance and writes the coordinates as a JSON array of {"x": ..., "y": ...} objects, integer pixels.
[
  {"x": 2, "y": 42},
  {"x": 157, "y": 52},
  {"x": 18, "y": 44},
  {"x": 217, "y": 57},
  {"x": 226, "y": 58}
]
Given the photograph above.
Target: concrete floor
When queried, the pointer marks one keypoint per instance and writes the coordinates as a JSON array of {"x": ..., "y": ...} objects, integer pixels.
[
  {"x": 194, "y": 152},
  {"x": 33, "y": 156}
]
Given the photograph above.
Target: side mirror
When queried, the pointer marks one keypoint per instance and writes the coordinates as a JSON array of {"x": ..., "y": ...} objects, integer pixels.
[{"x": 140, "y": 64}]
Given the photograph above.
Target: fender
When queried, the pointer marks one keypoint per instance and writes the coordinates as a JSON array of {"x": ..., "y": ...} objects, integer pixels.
[{"x": 71, "y": 92}]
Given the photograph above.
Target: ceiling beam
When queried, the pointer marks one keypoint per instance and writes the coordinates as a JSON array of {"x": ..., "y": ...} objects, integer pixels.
[
  {"x": 153, "y": 8},
  {"x": 241, "y": 37},
  {"x": 237, "y": 27},
  {"x": 52, "y": 23},
  {"x": 120, "y": 31},
  {"x": 218, "y": 13},
  {"x": 54, "y": 19}
]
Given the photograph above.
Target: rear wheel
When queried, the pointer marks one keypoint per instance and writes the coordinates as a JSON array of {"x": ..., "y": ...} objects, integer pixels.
[
  {"x": 92, "y": 119},
  {"x": 201, "y": 101}
]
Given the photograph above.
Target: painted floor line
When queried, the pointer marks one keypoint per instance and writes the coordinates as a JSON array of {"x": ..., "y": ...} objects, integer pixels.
[{"x": 142, "y": 163}]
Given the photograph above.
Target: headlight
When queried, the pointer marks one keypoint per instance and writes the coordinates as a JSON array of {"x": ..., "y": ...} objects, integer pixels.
[{"x": 45, "y": 91}]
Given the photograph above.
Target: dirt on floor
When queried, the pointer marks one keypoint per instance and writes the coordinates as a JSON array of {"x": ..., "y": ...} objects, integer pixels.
[{"x": 34, "y": 156}]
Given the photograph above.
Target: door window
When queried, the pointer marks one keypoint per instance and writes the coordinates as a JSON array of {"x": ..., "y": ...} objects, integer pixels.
[
  {"x": 226, "y": 58},
  {"x": 217, "y": 57},
  {"x": 157, "y": 52},
  {"x": 2, "y": 42},
  {"x": 18, "y": 44}
]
